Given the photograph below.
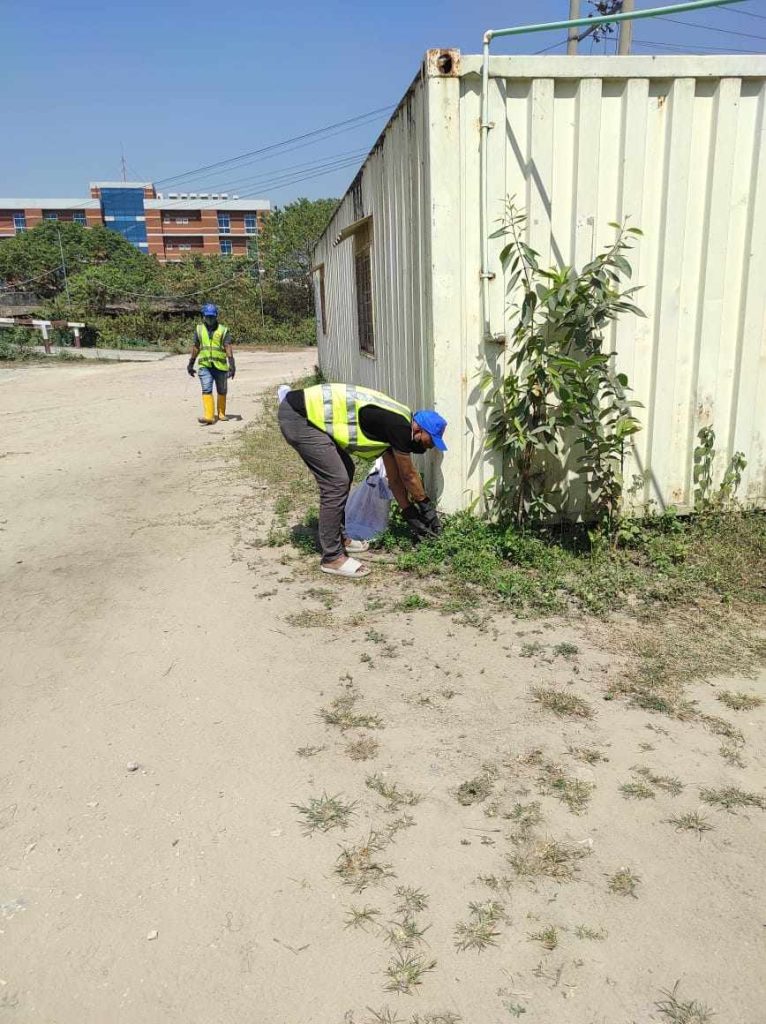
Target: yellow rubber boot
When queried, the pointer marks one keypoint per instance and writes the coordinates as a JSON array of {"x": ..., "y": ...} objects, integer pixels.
[
  {"x": 208, "y": 410},
  {"x": 222, "y": 407}
]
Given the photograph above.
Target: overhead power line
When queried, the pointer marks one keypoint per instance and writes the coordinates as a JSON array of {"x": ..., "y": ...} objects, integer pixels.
[
  {"x": 692, "y": 47},
  {"x": 710, "y": 28},
  {"x": 276, "y": 145}
]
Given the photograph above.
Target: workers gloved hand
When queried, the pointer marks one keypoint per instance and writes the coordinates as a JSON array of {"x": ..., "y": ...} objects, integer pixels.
[
  {"x": 190, "y": 368},
  {"x": 429, "y": 516},
  {"x": 417, "y": 525},
  {"x": 232, "y": 367}
]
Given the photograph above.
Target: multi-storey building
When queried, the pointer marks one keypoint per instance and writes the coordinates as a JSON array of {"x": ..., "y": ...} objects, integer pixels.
[{"x": 168, "y": 226}]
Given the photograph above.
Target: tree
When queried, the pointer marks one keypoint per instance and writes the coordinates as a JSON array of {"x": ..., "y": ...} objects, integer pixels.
[
  {"x": 287, "y": 242},
  {"x": 35, "y": 255}
]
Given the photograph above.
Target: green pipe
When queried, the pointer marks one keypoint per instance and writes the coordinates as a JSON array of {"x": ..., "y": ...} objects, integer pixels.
[{"x": 604, "y": 19}]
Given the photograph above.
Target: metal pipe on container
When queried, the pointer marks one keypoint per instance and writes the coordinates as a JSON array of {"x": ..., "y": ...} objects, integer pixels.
[{"x": 489, "y": 35}]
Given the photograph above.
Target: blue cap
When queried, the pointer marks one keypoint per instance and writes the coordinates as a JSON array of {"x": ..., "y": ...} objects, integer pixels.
[
  {"x": 209, "y": 309},
  {"x": 434, "y": 424}
]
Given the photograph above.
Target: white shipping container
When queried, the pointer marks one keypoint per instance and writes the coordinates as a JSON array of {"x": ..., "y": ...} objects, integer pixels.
[{"x": 676, "y": 144}]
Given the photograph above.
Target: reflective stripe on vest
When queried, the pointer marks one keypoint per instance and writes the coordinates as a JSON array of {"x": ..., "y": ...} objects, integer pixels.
[
  {"x": 335, "y": 408},
  {"x": 211, "y": 349}
]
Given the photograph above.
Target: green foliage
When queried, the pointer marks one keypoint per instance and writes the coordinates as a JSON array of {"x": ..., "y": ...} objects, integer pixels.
[
  {"x": 704, "y": 458},
  {"x": 559, "y": 388},
  {"x": 287, "y": 243},
  {"x": 129, "y": 299},
  {"x": 668, "y": 560}
]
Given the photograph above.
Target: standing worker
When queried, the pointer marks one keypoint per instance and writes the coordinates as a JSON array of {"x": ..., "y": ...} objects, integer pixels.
[
  {"x": 216, "y": 363},
  {"x": 326, "y": 424}
]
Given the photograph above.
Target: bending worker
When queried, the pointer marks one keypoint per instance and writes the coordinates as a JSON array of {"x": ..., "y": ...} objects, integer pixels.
[
  {"x": 216, "y": 363},
  {"x": 326, "y": 424}
]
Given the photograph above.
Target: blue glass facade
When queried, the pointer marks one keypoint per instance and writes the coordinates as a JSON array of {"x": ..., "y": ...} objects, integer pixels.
[{"x": 123, "y": 211}]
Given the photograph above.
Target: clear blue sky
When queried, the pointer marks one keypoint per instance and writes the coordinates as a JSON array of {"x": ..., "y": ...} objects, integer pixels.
[{"x": 184, "y": 84}]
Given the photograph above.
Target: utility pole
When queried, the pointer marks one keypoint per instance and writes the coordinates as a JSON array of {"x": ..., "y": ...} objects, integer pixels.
[
  {"x": 123, "y": 164},
  {"x": 573, "y": 34},
  {"x": 626, "y": 28},
  {"x": 63, "y": 267}
]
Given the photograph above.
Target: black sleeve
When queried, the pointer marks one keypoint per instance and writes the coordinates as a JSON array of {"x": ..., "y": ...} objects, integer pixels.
[{"x": 386, "y": 426}]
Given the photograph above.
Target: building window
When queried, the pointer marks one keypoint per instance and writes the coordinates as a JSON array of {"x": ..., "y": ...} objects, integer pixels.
[
  {"x": 224, "y": 224},
  {"x": 78, "y": 217},
  {"x": 20, "y": 222},
  {"x": 322, "y": 299},
  {"x": 251, "y": 224},
  {"x": 363, "y": 277},
  {"x": 50, "y": 215},
  {"x": 226, "y": 246}
]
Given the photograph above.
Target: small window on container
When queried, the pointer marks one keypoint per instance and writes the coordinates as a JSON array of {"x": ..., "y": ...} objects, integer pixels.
[{"x": 363, "y": 279}]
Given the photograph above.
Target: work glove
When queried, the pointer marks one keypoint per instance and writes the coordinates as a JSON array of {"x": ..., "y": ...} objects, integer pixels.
[
  {"x": 417, "y": 526},
  {"x": 232, "y": 368},
  {"x": 429, "y": 515},
  {"x": 190, "y": 369}
]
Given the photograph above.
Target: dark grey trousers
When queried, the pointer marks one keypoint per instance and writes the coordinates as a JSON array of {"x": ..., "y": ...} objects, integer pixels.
[{"x": 334, "y": 472}]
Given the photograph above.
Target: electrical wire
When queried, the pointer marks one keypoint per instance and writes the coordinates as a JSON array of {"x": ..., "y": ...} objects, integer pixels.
[
  {"x": 163, "y": 182},
  {"x": 547, "y": 49},
  {"x": 693, "y": 47},
  {"x": 760, "y": 17},
  {"x": 710, "y": 28}
]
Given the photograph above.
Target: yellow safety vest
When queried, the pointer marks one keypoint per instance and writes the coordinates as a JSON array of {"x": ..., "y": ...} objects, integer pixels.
[
  {"x": 211, "y": 350},
  {"x": 335, "y": 408}
]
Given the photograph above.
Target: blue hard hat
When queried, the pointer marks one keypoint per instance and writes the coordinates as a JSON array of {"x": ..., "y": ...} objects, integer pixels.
[
  {"x": 434, "y": 424},
  {"x": 209, "y": 309}
]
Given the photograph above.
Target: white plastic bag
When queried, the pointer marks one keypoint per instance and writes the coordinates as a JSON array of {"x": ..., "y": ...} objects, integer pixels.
[
  {"x": 368, "y": 506},
  {"x": 282, "y": 392}
]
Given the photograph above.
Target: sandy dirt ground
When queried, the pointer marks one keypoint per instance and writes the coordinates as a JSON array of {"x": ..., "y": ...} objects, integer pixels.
[{"x": 144, "y": 623}]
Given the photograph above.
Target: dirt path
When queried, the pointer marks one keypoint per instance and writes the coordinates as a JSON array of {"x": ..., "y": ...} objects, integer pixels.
[{"x": 143, "y": 622}]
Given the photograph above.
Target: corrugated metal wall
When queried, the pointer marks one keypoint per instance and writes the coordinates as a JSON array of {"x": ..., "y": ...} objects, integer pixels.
[
  {"x": 392, "y": 188},
  {"x": 675, "y": 144}
]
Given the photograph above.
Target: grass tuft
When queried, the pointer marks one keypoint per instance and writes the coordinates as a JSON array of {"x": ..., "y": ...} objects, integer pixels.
[
  {"x": 624, "y": 883},
  {"x": 667, "y": 783},
  {"x": 588, "y": 755},
  {"x": 410, "y": 900},
  {"x": 582, "y": 931},
  {"x": 731, "y": 797},
  {"x": 405, "y": 933},
  {"x": 692, "y": 821},
  {"x": 637, "y": 791},
  {"x": 547, "y": 937},
  {"x": 740, "y": 701},
  {"x": 549, "y": 859},
  {"x": 566, "y": 650},
  {"x": 679, "y": 1012},
  {"x": 324, "y": 812},
  {"x": 566, "y": 705},
  {"x": 405, "y": 972},
  {"x": 480, "y": 930},
  {"x": 342, "y": 714},
  {"x": 311, "y": 618},
  {"x": 395, "y": 798},
  {"x": 362, "y": 749},
  {"x": 361, "y": 917},
  {"x": 358, "y": 865},
  {"x": 574, "y": 793}
]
